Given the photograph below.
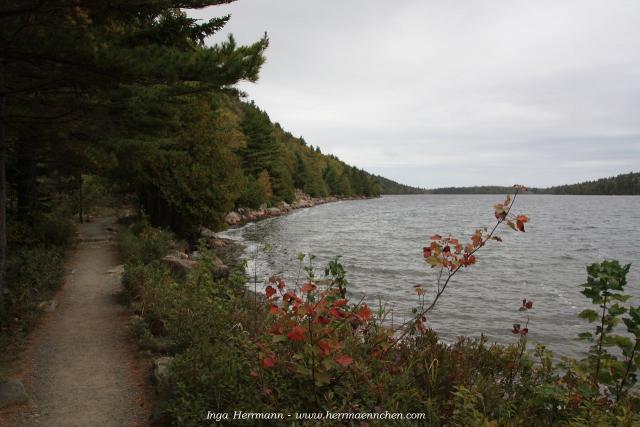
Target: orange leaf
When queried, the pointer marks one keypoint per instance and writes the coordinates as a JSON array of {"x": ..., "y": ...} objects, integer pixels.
[
  {"x": 436, "y": 237},
  {"x": 364, "y": 313},
  {"x": 308, "y": 287},
  {"x": 344, "y": 360}
]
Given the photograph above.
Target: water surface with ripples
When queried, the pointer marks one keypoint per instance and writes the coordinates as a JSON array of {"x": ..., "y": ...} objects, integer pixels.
[{"x": 380, "y": 242}]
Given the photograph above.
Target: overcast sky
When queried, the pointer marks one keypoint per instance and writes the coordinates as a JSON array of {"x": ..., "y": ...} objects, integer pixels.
[{"x": 441, "y": 93}]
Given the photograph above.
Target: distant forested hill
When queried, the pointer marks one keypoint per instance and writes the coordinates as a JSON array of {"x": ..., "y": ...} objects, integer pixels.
[
  {"x": 624, "y": 184},
  {"x": 485, "y": 189},
  {"x": 388, "y": 186}
]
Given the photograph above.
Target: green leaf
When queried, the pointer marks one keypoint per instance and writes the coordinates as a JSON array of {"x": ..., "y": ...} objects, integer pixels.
[
  {"x": 617, "y": 310},
  {"x": 433, "y": 261},
  {"x": 585, "y": 336},
  {"x": 589, "y": 315}
]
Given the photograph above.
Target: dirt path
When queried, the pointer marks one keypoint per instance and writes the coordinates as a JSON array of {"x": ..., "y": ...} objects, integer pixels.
[{"x": 80, "y": 365}]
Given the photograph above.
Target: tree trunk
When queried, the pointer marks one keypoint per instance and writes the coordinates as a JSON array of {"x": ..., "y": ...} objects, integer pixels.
[
  {"x": 3, "y": 185},
  {"x": 81, "y": 201},
  {"x": 27, "y": 181}
]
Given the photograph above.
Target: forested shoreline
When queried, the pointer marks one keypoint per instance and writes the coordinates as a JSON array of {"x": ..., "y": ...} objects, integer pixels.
[{"x": 624, "y": 184}]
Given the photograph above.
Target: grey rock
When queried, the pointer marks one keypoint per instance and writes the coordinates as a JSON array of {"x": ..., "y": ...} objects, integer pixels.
[
  {"x": 48, "y": 306},
  {"x": 180, "y": 267},
  {"x": 233, "y": 218},
  {"x": 161, "y": 368},
  {"x": 205, "y": 232}
]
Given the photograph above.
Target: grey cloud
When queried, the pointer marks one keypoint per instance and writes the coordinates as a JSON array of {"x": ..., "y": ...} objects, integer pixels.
[{"x": 436, "y": 93}]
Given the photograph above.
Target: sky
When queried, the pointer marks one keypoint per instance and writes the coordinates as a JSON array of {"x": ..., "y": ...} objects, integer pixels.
[{"x": 453, "y": 93}]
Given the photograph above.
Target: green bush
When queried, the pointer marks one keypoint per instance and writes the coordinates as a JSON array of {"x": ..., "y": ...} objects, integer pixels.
[
  {"x": 229, "y": 355},
  {"x": 33, "y": 274},
  {"x": 144, "y": 244},
  {"x": 34, "y": 270}
]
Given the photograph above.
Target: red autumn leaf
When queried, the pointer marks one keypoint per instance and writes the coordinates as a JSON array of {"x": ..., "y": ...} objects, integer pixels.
[
  {"x": 524, "y": 331},
  {"x": 520, "y": 225},
  {"x": 289, "y": 296},
  {"x": 364, "y": 313},
  {"x": 336, "y": 312},
  {"x": 529, "y": 304},
  {"x": 310, "y": 310},
  {"x": 308, "y": 287},
  {"x": 522, "y": 218},
  {"x": 274, "y": 309},
  {"x": 281, "y": 284},
  {"x": 324, "y": 320},
  {"x": 297, "y": 334},
  {"x": 446, "y": 249},
  {"x": 426, "y": 252},
  {"x": 277, "y": 329},
  {"x": 268, "y": 363},
  {"x": 325, "y": 346},
  {"x": 270, "y": 291},
  {"x": 436, "y": 237},
  {"x": 344, "y": 360},
  {"x": 340, "y": 303}
]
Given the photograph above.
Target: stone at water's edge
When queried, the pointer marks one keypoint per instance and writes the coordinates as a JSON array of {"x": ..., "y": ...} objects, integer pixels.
[
  {"x": 233, "y": 218},
  {"x": 181, "y": 267},
  {"x": 12, "y": 392}
]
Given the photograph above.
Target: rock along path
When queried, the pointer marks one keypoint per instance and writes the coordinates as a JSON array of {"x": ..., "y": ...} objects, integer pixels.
[{"x": 80, "y": 365}]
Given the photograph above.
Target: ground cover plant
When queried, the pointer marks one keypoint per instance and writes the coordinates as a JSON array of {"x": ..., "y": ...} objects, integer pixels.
[
  {"x": 305, "y": 347},
  {"x": 34, "y": 272}
]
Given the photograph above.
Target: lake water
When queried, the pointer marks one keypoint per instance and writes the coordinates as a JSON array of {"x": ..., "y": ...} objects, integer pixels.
[{"x": 381, "y": 241}]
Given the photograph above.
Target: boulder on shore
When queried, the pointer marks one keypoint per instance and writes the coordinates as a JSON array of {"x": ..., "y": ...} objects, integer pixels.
[
  {"x": 233, "y": 218},
  {"x": 179, "y": 267},
  {"x": 274, "y": 211},
  {"x": 220, "y": 270}
]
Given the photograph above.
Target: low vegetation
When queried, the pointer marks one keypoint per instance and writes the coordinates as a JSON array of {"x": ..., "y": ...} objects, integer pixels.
[
  {"x": 34, "y": 272},
  {"x": 305, "y": 347}
]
